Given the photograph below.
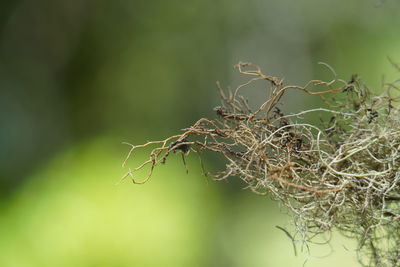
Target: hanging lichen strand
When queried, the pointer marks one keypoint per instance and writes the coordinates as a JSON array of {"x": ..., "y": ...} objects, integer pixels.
[{"x": 341, "y": 173}]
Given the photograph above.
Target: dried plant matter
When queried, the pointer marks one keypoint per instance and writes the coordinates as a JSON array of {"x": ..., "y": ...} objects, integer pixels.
[{"x": 340, "y": 173}]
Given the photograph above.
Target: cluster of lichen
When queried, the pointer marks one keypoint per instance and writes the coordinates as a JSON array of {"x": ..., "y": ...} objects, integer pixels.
[{"x": 341, "y": 173}]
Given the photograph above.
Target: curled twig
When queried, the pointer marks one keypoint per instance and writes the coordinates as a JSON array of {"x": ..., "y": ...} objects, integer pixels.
[{"x": 341, "y": 173}]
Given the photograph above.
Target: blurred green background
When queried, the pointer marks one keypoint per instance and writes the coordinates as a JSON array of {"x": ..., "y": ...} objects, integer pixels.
[{"x": 77, "y": 78}]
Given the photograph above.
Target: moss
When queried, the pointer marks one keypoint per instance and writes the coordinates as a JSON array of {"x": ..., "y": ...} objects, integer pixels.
[{"x": 340, "y": 173}]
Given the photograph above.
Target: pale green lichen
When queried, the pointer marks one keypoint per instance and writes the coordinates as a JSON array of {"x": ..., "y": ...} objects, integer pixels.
[{"x": 341, "y": 173}]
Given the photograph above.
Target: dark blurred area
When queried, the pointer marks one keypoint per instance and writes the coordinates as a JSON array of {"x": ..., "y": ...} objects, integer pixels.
[{"x": 73, "y": 72}]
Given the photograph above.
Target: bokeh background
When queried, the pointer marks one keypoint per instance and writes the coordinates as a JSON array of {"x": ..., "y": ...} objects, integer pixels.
[{"x": 77, "y": 78}]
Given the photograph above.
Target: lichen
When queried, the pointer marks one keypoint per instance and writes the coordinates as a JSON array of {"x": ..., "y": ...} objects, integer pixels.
[{"x": 341, "y": 173}]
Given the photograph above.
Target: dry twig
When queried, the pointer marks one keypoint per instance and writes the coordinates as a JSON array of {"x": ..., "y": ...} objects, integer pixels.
[{"x": 342, "y": 173}]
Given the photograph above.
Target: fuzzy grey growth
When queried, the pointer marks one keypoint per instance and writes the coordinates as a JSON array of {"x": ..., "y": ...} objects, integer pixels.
[{"x": 341, "y": 173}]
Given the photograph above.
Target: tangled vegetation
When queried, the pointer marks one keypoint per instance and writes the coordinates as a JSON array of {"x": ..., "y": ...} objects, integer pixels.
[{"x": 340, "y": 173}]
